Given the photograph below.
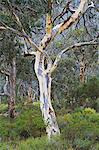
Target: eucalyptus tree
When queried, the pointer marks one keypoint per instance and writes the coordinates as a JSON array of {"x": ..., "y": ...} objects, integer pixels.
[
  {"x": 8, "y": 68},
  {"x": 10, "y": 61},
  {"x": 44, "y": 67}
]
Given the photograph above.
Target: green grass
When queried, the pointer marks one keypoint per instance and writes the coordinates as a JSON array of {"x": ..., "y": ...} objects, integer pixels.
[{"x": 3, "y": 108}]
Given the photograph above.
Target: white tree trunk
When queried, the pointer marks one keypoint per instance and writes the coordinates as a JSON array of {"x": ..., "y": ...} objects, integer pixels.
[{"x": 45, "y": 99}]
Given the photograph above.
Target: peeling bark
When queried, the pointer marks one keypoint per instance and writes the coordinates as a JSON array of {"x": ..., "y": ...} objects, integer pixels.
[{"x": 45, "y": 103}]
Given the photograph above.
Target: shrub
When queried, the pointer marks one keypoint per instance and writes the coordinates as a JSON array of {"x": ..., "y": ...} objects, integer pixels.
[
  {"x": 28, "y": 123},
  {"x": 88, "y": 93},
  {"x": 41, "y": 143},
  {"x": 80, "y": 128},
  {"x": 3, "y": 108}
]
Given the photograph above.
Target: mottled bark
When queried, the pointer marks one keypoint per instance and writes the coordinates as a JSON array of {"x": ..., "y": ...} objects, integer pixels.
[{"x": 45, "y": 102}]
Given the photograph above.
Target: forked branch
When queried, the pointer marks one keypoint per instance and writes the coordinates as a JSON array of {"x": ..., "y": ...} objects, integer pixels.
[{"x": 59, "y": 28}]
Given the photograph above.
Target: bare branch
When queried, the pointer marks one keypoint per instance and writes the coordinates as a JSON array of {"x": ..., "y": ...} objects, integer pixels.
[
  {"x": 59, "y": 56},
  {"x": 4, "y": 72},
  {"x": 74, "y": 17},
  {"x": 4, "y": 94},
  {"x": 29, "y": 40},
  {"x": 72, "y": 10},
  {"x": 29, "y": 54},
  {"x": 67, "y": 23},
  {"x": 64, "y": 11},
  {"x": 2, "y": 28},
  {"x": 64, "y": 25},
  {"x": 51, "y": 33}
]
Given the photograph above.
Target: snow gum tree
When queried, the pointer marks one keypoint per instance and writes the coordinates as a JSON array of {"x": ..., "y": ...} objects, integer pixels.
[{"x": 44, "y": 71}]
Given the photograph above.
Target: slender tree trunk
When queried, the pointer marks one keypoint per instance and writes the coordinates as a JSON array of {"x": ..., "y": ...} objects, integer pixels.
[
  {"x": 45, "y": 99},
  {"x": 0, "y": 99},
  {"x": 30, "y": 92},
  {"x": 12, "y": 86},
  {"x": 82, "y": 72}
]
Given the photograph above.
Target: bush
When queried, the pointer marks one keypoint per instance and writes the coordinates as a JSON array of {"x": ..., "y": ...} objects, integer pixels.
[
  {"x": 88, "y": 93},
  {"x": 3, "y": 108},
  {"x": 74, "y": 94},
  {"x": 28, "y": 123},
  {"x": 81, "y": 128}
]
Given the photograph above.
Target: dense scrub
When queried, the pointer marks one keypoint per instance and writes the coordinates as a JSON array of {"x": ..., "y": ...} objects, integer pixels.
[
  {"x": 79, "y": 130},
  {"x": 78, "y": 121},
  {"x": 78, "y": 95},
  {"x": 28, "y": 122}
]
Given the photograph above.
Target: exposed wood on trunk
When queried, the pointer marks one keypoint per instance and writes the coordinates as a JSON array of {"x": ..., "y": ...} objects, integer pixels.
[
  {"x": 44, "y": 79},
  {"x": 45, "y": 104}
]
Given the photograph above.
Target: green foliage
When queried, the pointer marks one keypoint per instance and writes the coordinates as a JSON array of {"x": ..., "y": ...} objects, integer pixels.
[
  {"x": 90, "y": 88},
  {"x": 24, "y": 69},
  {"x": 64, "y": 79},
  {"x": 81, "y": 128},
  {"x": 27, "y": 10},
  {"x": 4, "y": 146},
  {"x": 79, "y": 32},
  {"x": 7, "y": 46},
  {"x": 82, "y": 144},
  {"x": 43, "y": 144},
  {"x": 38, "y": 143},
  {"x": 73, "y": 94},
  {"x": 3, "y": 108},
  {"x": 28, "y": 123},
  {"x": 58, "y": 44},
  {"x": 88, "y": 93}
]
